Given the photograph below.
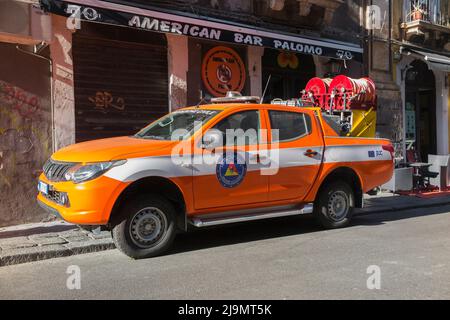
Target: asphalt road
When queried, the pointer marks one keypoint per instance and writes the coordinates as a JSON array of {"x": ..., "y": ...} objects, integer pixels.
[{"x": 288, "y": 258}]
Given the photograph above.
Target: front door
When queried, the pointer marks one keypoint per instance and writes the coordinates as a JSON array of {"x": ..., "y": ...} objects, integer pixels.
[
  {"x": 296, "y": 135},
  {"x": 235, "y": 179},
  {"x": 421, "y": 123},
  {"x": 420, "y": 111}
]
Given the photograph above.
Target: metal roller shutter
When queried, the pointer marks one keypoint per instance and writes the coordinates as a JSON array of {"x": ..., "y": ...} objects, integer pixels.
[{"x": 119, "y": 86}]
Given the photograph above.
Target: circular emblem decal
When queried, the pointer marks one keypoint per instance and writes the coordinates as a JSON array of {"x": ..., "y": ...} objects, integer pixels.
[
  {"x": 231, "y": 170},
  {"x": 223, "y": 70}
]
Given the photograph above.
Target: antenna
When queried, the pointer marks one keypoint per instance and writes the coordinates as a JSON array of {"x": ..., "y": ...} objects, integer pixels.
[
  {"x": 265, "y": 89},
  {"x": 202, "y": 99}
]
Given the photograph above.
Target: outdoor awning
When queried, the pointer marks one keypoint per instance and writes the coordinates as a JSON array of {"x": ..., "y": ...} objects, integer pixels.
[
  {"x": 436, "y": 61},
  {"x": 118, "y": 13}
]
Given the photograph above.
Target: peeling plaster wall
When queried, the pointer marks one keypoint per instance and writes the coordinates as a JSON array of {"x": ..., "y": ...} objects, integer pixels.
[
  {"x": 254, "y": 69},
  {"x": 25, "y": 133},
  {"x": 178, "y": 68},
  {"x": 63, "y": 86}
]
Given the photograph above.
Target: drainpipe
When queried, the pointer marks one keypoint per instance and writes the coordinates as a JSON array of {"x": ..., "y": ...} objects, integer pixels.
[{"x": 52, "y": 116}]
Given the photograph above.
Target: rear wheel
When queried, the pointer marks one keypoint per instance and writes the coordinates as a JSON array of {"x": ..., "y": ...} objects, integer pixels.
[
  {"x": 146, "y": 227},
  {"x": 334, "y": 206}
]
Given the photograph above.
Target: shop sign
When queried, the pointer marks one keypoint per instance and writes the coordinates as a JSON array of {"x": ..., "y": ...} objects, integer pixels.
[{"x": 113, "y": 13}]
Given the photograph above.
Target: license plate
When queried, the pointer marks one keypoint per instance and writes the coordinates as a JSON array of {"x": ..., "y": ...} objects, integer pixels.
[{"x": 43, "y": 187}]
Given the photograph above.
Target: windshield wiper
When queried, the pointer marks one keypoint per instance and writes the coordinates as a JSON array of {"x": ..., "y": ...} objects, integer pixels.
[{"x": 153, "y": 137}]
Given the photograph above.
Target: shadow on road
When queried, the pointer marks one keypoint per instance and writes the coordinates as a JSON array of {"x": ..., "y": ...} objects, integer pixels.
[{"x": 218, "y": 236}]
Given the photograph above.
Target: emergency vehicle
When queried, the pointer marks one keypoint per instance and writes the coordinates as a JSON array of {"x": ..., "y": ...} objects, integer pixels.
[{"x": 147, "y": 187}]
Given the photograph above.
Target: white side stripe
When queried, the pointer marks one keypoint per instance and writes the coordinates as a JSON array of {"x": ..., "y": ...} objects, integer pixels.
[{"x": 165, "y": 166}]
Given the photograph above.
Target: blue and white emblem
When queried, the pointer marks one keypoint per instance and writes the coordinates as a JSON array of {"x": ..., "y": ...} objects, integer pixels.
[{"x": 231, "y": 170}]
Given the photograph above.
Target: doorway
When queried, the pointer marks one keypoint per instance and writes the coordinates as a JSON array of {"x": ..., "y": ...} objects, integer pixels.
[
  {"x": 289, "y": 72},
  {"x": 121, "y": 80},
  {"x": 420, "y": 111}
]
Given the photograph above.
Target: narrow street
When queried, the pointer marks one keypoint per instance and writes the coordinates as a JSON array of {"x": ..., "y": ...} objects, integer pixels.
[{"x": 288, "y": 258}]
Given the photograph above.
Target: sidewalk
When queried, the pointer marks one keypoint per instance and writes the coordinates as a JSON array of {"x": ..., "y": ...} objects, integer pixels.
[
  {"x": 39, "y": 241},
  {"x": 386, "y": 202}
]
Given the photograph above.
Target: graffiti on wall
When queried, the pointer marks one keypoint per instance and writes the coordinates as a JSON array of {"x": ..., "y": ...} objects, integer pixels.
[
  {"x": 26, "y": 104},
  {"x": 104, "y": 100},
  {"x": 24, "y": 133}
]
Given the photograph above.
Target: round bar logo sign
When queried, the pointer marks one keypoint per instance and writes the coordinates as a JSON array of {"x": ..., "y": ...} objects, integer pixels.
[{"x": 223, "y": 70}]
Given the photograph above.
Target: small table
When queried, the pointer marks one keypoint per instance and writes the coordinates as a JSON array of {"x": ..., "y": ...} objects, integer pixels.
[
  {"x": 418, "y": 165},
  {"x": 419, "y": 179}
]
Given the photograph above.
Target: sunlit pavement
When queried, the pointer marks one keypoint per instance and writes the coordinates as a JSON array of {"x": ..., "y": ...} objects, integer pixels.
[{"x": 275, "y": 259}]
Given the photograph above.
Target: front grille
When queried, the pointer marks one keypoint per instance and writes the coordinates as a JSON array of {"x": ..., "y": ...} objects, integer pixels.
[
  {"x": 55, "y": 171},
  {"x": 58, "y": 197}
]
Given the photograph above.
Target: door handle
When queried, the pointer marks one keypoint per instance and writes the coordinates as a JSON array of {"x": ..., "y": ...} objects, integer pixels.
[
  {"x": 262, "y": 158},
  {"x": 186, "y": 165},
  {"x": 258, "y": 158},
  {"x": 311, "y": 153}
]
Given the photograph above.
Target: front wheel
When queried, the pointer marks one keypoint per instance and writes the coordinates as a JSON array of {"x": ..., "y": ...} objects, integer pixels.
[
  {"x": 334, "y": 205},
  {"x": 146, "y": 227}
]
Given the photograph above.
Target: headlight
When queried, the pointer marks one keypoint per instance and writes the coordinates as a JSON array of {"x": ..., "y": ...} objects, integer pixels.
[{"x": 89, "y": 171}]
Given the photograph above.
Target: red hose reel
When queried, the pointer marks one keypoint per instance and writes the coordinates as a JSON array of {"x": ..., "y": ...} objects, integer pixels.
[{"x": 341, "y": 93}]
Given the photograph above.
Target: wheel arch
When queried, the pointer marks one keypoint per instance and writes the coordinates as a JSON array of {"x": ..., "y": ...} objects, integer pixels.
[
  {"x": 157, "y": 185},
  {"x": 351, "y": 177}
]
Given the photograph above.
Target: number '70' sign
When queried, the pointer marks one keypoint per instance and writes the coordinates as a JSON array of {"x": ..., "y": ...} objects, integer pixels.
[
  {"x": 341, "y": 54},
  {"x": 77, "y": 13}
]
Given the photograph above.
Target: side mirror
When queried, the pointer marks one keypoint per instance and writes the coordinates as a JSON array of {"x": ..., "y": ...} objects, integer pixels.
[{"x": 212, "y": 139}]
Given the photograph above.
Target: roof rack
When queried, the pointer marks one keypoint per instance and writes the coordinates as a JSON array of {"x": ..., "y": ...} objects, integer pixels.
[
  {"x": 292, "y": 102},
  {"x": 236, "y": 97}
]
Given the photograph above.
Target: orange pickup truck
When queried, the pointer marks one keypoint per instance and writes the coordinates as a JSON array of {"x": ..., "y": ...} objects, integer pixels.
[{"x": 210, "y": 165}]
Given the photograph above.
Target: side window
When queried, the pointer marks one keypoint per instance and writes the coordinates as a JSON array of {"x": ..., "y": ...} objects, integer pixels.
[
  {"x": 290, "y": 125},
  {"x": 240, "y": 128}
]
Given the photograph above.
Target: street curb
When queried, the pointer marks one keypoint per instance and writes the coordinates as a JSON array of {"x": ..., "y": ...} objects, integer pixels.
[
  {"x": 363, "y": 212},
  {"x": 49, "y": 252}
]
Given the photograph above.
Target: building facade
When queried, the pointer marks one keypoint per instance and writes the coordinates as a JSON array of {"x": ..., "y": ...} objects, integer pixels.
[
  {"x": 409, "y": 57},
  {"x": 86, "y": 69}
]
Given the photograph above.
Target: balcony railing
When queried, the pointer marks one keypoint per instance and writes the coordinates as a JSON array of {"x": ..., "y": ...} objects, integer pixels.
[{"x": 432, "y": 11}]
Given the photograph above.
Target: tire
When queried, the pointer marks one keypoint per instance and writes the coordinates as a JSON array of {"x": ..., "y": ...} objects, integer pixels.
[
  {"x": 334, "y": 206},
  {"x": 146, "y": 227}
]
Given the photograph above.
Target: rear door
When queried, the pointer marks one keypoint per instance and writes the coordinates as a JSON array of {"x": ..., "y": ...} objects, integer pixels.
[{"x": 296, "y": 136}]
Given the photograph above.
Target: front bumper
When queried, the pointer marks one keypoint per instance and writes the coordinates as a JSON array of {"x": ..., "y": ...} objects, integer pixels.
[
  {"x": 49, "y": 209},
  {"x": 90, "y": 203}
]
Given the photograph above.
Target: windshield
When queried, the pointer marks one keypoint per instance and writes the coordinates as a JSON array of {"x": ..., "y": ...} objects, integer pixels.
[{"x": 177, "y": 125}]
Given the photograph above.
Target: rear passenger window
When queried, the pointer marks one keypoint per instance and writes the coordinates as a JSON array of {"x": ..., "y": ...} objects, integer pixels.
[{"x": 290, "y": 125}]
